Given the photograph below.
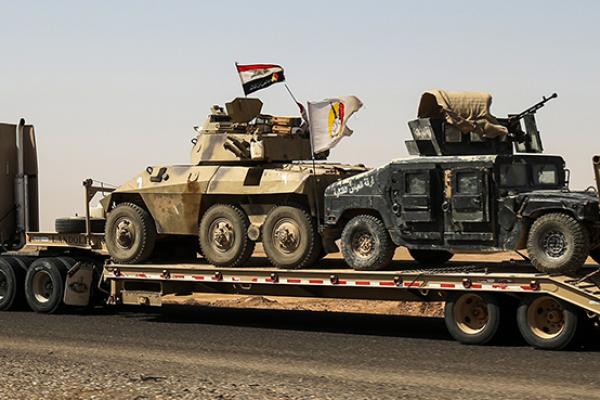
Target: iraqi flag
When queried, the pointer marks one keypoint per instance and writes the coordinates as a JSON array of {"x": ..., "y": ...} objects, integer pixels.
[{"x": 259, "y": 76}]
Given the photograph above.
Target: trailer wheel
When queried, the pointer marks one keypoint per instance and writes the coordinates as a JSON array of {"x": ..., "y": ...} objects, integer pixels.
[
  {"x": 130, "y": 234},
  {"x": 546, "y": 322},
  {"x": 366, "y": 244},
  {"x": 12, "y": 277},
  {"x": 557, "y": 243},
  {"x": 290, "y": 238},
  {"x": 429, "y": 257},
  {"x": 45, "y": 285},
  {"x": 472, "y": 318},
  {"x": 223, "y": 236}
]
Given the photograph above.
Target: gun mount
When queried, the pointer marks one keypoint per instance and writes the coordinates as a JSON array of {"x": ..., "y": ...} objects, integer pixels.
[
  {"x": 460, "y": 123},
  {"x": 240, "y": 133}
]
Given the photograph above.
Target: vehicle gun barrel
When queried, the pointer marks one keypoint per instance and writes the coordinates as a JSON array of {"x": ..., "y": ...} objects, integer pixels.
[{"x": 533, "y": 108}]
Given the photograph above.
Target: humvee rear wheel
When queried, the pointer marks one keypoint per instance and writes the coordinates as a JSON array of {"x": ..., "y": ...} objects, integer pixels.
[
  {"x": 130, "y": 234},
  {"x": 430, "y": 256},
  {"x": 366, "y": 244},
  {"x": 223, "y": 236},
  {"x": 472, "y": 318},
  {"x": 557, "y": 243},
  {"x": 546, "y": 322},
  {"x": 290, "y": 238}
]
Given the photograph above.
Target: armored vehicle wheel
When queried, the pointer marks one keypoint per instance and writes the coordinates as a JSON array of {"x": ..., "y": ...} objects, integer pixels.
[
  {"x": 472, "y": 318},
  {"x": 223, "y": 236},
  {"x": 130, "y": 234},
  {"x": 12, "y": 277},
  {"x": 546, "y": 322},
  {"x": 45, "y": 285},
  {"x": 557, "y": 243},
  {"x": 77, "y": 225},
  {"x": 366, "y": 244},
  {"x": 430, "y": 256},
  {"x": 290, "y": 238}
]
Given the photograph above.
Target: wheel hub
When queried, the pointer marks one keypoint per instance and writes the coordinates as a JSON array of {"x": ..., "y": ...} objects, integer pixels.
[
  {"x": 362, "y": 244},
  {"x": 222, "y": 234},
  {"x": 125, "y": 233},
  {"x": 471, "y": 314},
  {"x": 42, "y": 286},
  {"x": 545, "y": 317},
  {"x": 287, "y": 235},
  {"x": 554, "y": 244}
]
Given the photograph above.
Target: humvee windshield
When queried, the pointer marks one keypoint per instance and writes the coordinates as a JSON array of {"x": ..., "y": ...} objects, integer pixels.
[{"x": 542, "y": 173}]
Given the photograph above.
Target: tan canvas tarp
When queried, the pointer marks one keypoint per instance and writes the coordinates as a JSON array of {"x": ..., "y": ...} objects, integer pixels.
[{"x": 468, "y": 111}]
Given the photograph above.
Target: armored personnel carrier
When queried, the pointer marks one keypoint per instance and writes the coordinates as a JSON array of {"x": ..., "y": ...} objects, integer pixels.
[
  {"x": 467, "y": 187},
  {"x": 247, "y": 183}
]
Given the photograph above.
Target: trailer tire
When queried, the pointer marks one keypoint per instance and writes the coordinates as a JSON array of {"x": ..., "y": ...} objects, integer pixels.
[
  {"x": 229, "y": 224},
  {"x": 12, "y": 278},
  {"x": 290, "y": 238},
  {"x": 429, "y": 257},
  {"x": 77, "y": 225},
  {"x": 366, "y": 244},
  {"x": 473, "y": 317},
  {"x": 45, "y": 285},
  {"x": 547, "y": 323},
  {"x": 130, "y": 234},
  {"x": 557, "y": 243}
]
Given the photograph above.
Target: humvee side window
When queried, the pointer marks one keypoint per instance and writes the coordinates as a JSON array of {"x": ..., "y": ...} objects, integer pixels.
[
  {"x": 545, "y": 174},
  {"x": 416, "y": 183},
  {"x": 467, "y": 182},
  {"x": 514, "y": 175}
]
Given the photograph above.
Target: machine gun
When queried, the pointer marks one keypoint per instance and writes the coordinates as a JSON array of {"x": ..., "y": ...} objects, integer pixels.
[{"x": 532, "y": 109}]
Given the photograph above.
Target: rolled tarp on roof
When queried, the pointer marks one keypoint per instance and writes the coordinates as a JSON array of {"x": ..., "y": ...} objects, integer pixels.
[{"x": 468, "y": 111}]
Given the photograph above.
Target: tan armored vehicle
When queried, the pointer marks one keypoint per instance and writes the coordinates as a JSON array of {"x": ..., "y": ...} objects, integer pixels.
[{"x": 246, "y": 184}]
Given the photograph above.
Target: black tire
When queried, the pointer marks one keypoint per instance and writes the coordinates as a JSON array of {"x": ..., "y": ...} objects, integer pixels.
[
  {"x": 429, "y": 257},
  {"x": 290, "y": 238},
  {"x": 557, "y": 243},
  {"x": 77, "y": 225},
  {"x": 12, "y": 278},
  {"x": 130, "y": 234},
  {"x": 547, "y": 323},
  {"x": 366, "y": 244},
  {"x": 45, "y": 285},
  {"x": 224, "y": 236},
  {"x": 473, "y": 317}
]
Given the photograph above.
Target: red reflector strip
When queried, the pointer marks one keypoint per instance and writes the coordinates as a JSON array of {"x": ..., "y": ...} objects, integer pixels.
[
  {"x": 294, "y": 281},
  {"x": 342, "y": 282},
  {"x": 254, "y": 279},
  {"x": 177, "y": 276},
  {"x": 526, "y": 287},
  {"x": 198, "y": 277},
  {"x": 141, "y": 275},
  {"x": 476, "y": 286},
  {"x": 315, "y": 281},
  {"x": 268, "y": 280},
  {"x": 447, "y": 285},
  {"x": 499, "y": 286},
  {"x": 362, "y": 283},
  {"x": 412, "y": 284},
  {"x": 387, "y": 284}
]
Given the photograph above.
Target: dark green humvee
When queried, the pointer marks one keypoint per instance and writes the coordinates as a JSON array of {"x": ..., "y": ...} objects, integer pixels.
[{"x": 466, "y": 192}]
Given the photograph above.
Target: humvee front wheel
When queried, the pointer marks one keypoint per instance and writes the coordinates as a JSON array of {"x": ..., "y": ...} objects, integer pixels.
[
  {"x": 290, "y": 238},
  {"x": 366, "y": 244},
  {"x": 557, "y": 243},
  {"x": 223, "y": 236},
  {"x": 130, "y": 234},
  {"x": 429, "y": 257}
]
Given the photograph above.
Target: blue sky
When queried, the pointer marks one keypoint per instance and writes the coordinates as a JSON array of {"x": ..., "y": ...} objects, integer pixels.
[{"x": 114, "y": 86}]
